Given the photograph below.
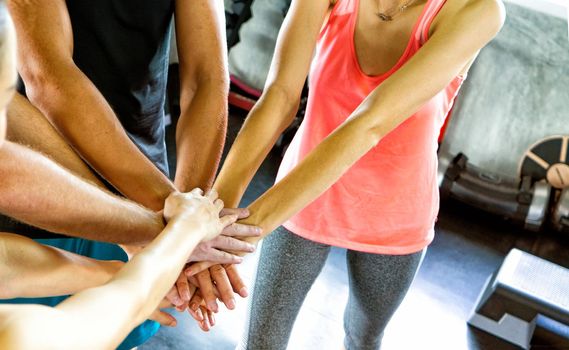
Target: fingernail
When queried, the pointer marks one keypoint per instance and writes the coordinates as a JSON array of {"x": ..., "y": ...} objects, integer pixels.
[
  {"x": 231, "y": 304},
  {"x": 238, "y": 260},
  {"x": 173, "y": 324},
  {"x": 243, "y": 292},
  {"x": 251, "y": 248},
  {"x": 194, "y": 306},
  {"x": 199, "y": 314},
  {"x": 212, "y": 320},
  {"x": 189, "y": 272},
  {"x": 258, "y": 230},
  {"x": 212, "y": 305}
]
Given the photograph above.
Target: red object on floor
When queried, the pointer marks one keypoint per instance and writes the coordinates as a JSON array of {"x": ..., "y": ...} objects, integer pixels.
[
  {"x": 241, "y": 101},
  {"x": 241, "y": 95}
]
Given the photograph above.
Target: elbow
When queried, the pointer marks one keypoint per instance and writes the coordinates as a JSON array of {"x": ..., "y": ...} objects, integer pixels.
[
  {"x": 284, "y": 101},
  {"x": 41, "y": 81}
]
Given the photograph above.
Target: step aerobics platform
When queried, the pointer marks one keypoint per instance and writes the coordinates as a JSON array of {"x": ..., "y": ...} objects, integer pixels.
[{"x": 523, "y": 287}]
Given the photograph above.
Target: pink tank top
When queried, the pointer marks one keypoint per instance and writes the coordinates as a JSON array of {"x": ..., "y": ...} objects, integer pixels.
[{"x": 388, "y": 201}]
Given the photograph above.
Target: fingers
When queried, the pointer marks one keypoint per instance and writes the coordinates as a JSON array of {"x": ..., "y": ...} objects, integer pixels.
[
  {"x": 207, "y": 290},
  {"x": 212, "y": 195},
  {"x": 184, "y": 288},
  {"x": 194, "y": 307},
  {"x": 174, "y": 297},
  {"x": 223, "y": 285},
  {"x": 199, "y": 267},
  {"x": 228, "y": 220},
  {"x": 231, "y": 244},
  {"x": 199, "y": 192},
  {"x": 218, "y": 205},
  {"x": 164, "y": 318},
  {"x": 209, "y": 320},
  {"x": 241, "y": 213},
  {"x": 236, "y": 282},
  {"x": 241, "y": 230},
  {"x": 164, "y": 304}
]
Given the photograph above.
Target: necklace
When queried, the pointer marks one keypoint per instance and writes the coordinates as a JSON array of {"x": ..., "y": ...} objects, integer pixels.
[{"x": 389, "y": 14}]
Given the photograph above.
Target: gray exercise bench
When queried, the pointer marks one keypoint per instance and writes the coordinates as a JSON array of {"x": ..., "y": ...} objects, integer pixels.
[{"x": 522, "y": 288}]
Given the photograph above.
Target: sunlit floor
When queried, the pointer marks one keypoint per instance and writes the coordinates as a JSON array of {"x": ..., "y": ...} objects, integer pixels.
[{"x": 468, "y": 247}]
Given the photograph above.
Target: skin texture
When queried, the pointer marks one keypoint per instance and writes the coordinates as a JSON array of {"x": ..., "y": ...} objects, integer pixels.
[
  {"x": 133, "y": 293},
  {"x": 32, "y": 269},
  {"x": 68, "y": 105},
  {"x": 70, "y": 101},
  {"x": 459, "y": 31}
]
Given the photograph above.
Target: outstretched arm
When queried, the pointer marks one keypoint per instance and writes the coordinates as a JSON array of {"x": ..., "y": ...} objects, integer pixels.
[
  {"x": 64, "y": 203},
  {"x": 72, "y": 103},
  {"x": 29, "y": 269},
  {"x": 276, "y": 108},
  {"x": 454, "y": 43},
  {"x": 132, "y": 294}
]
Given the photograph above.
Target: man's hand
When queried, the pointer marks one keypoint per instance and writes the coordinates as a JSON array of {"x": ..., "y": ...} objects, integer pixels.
[
  {"x": 216, "y": 250},
  {"x": 218, "y": 282}
]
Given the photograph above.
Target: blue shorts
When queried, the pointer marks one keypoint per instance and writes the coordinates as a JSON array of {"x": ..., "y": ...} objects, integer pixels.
[{"x": 101, "y": 251}]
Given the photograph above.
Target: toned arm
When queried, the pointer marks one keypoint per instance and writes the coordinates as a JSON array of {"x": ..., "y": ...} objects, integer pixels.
[
  {"x": 204, "y": 84},
  {"x": 73, "y": 104},
  {"x": 453, "y": 44},
  {"x": 29, "y": 269},
  {"x": 132, "y": 294},
  {"x": 63, "y": 203}
]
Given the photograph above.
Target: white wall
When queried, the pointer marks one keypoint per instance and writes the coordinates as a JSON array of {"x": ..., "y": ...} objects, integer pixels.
[{"x": 557, "y": 8}]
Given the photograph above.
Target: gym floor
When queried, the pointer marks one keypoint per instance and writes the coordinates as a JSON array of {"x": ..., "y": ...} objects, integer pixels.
[{"x": 468, "y": 247}]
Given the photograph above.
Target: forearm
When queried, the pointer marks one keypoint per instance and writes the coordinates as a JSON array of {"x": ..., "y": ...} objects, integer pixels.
[
  {"x": 200, "y": 135},
  {"x": 30, "y": 269},
  {"x": 83, "y": 117},
  {"x": 313, "y": 176},
  {"x": 61, "y": 202},
  {"x": 134, "y": 292},
  {"x": 269, "y": 118}
]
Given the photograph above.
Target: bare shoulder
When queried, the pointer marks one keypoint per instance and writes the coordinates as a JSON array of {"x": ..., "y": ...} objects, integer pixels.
[{"x": 486, "y": 16}]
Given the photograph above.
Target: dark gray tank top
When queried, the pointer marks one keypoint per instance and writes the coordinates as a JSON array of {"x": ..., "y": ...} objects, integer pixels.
[{"x": 123, "y": 46}]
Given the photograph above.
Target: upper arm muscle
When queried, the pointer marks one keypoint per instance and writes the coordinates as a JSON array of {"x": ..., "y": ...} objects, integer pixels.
[
  {"x": 296, "y": 43},
  {"x": 44, "y": 34}
]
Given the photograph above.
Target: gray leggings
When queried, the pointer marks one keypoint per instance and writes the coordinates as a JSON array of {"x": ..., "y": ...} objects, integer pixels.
[{"x": 288, "y": 267}]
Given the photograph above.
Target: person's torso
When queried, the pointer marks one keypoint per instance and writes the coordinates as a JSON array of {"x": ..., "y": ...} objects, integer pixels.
[
  {"x": 122, "y": 47},
  {"x": 390, "y": 196}
]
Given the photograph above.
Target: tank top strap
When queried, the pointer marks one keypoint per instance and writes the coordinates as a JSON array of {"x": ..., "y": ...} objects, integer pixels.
[
  {"x": 429, "y": 13},
  {"x": 343, "y": 7}
]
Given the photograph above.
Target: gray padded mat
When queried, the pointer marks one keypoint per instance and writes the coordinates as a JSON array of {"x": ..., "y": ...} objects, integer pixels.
[{"x": 516, "y": 94}]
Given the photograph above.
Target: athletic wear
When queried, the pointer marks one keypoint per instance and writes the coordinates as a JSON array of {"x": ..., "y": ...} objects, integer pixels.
[
  {"x": 288, "y": 266},
  {"x": 123, "y": 47},
  {"x": 388, "y": 201}
]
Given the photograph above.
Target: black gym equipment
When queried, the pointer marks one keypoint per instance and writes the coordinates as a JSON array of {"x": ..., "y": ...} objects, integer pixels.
[
  {"x": 524, "y": 287},
  {"x": 524, "y": 202},
  {"x": 560, "y": 215},
  {"x": 548, "y": 160}
]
